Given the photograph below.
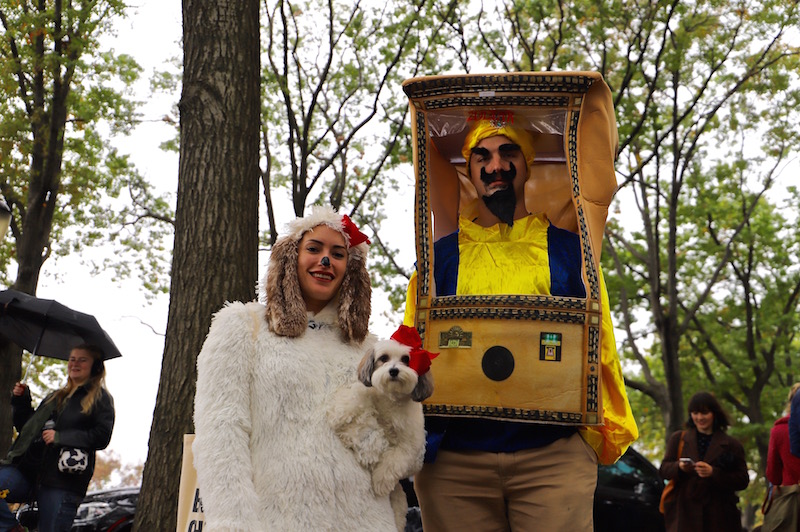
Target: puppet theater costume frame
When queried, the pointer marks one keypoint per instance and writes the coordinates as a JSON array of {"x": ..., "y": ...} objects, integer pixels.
[{"x": 520, "y": 357}]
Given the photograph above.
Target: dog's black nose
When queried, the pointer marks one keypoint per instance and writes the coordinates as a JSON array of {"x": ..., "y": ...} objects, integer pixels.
[{"x": 394, "y": 372}]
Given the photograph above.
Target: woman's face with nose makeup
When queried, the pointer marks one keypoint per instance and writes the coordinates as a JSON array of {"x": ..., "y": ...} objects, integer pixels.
[{"x": 321, "y": 266}]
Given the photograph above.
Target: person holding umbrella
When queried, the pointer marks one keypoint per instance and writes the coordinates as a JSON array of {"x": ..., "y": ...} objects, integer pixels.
[{"x": 53, "y": 457}]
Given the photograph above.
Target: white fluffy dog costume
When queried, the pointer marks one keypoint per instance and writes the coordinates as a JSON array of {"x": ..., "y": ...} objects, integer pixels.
[
  {"x": 265, "y": 454},
  {"x": 380, "y": 418}
]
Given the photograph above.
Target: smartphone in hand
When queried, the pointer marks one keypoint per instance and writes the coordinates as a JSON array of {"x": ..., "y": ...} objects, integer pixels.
[{"x": 687, "y": 461}]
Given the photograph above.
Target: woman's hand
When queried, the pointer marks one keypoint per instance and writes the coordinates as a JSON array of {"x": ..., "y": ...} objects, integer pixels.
[
  {"x": 686, "y": 467},
  {"x": 49, "y": 436},
  {"x": 19, "y": 389},
  {"x": 703, "y": 469}
]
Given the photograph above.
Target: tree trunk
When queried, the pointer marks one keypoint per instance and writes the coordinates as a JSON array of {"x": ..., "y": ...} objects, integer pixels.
[
  {"x": 216, "y": 231},
  {"x": 675, "y": 415},
  {"x": 10, "y": 372},
  {"x": 32, "y": 249}
]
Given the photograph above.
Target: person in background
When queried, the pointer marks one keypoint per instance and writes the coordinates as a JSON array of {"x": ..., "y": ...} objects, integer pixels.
[
  {"x": 78, "y": 419},
  {"x": 794, "y": 425},
  {"x": 266, "y": 456},
  {"x": 783, "y": 468},
  {"x": 708, "y": 472}
]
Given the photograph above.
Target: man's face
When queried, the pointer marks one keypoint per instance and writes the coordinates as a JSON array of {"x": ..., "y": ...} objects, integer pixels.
[
  {"x": 498, "y": 170},
  {"x": 497, "y": 163}
]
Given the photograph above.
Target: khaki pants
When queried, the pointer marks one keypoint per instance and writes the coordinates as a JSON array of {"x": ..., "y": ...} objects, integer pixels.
[{"x": 549, "y": 489}]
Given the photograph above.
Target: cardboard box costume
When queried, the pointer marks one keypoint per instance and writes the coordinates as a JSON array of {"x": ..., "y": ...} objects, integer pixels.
[{"x": 519, "y": 338}]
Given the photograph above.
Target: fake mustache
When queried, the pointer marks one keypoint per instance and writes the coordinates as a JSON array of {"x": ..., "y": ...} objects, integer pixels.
[{"x": 507, "y": 176}]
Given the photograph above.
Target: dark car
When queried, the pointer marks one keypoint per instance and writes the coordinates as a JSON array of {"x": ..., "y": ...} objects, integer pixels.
[
  {"x": 627, "y": 496},
  {"x": 109, "y": 510}
]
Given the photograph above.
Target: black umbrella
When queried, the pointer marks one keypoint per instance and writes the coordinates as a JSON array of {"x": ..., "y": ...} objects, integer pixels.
[{"x": 48, "y": 328}]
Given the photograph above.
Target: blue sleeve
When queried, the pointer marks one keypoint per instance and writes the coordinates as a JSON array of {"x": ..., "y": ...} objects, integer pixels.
[
  {"x": 794, "y": 425},
  {"x": 564, "y": 249},
  {"x": 445, "y": 264}
]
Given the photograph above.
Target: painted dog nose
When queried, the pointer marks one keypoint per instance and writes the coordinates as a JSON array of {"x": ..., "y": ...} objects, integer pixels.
[{"x": 326, "y": 262}]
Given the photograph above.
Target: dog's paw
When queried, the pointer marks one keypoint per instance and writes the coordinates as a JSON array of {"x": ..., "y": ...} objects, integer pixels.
[
  {"x": 383, "y": 482},
  {"x": 399, "y": 504}
]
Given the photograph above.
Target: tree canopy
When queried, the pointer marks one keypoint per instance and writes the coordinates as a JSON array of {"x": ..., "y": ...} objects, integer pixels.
[
  {"x": 334, "y": 123},
  {"x": 706, "y": 98},
  {"x": 61, "y": 97}
]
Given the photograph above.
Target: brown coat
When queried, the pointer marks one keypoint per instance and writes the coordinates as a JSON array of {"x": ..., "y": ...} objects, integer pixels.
[{"x": 705, "y": 504}]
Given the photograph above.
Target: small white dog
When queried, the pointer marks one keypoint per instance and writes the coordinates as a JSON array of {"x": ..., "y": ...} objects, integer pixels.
[{"x": 380, "y": 418}]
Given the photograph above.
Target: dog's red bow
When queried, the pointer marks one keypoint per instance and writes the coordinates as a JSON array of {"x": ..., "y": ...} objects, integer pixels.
[
  {"x": 356, "y": 237},
  {"x": 420, "y": 359}
]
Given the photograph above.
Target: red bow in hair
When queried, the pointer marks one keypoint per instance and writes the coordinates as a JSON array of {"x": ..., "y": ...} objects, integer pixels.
[
  {"x": 356, "y": 236},
  {"x": 420, "y": 359}
]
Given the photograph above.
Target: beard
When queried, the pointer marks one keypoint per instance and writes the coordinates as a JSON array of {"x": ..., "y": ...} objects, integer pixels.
[{"x": 503, "y": 202}]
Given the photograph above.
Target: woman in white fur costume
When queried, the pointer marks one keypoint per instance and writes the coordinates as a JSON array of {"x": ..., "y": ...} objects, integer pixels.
[{"x": 265, "y": 455}]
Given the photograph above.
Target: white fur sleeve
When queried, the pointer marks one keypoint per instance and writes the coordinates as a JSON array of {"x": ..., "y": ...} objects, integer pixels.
[{"x": 222, "y": 420}]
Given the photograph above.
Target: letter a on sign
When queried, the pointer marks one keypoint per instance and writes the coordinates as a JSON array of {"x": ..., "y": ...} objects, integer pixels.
[{"x": 197, "y": 507}]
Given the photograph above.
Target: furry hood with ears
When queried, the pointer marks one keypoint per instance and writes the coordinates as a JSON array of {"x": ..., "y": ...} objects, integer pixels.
[{"x": 286, "y": 311}]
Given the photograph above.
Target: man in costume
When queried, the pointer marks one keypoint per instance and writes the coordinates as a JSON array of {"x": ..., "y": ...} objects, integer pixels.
[{"x": 483, "y": 474}]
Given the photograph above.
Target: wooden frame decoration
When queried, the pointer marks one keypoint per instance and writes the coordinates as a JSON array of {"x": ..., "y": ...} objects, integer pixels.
[{"x": 517, "y": 356}]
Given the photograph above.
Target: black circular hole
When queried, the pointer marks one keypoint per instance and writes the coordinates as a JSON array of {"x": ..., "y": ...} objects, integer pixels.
[{"x": 498, "y": 363}]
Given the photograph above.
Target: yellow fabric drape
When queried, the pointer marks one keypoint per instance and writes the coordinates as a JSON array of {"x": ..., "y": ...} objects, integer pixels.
[{"x": 619, "y": 430}]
